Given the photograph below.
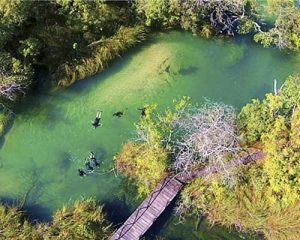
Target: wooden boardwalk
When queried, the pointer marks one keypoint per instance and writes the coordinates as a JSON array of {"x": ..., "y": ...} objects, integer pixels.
[
  {"x": 186, "y": 177},
  {"x": 151, "y": 208}
]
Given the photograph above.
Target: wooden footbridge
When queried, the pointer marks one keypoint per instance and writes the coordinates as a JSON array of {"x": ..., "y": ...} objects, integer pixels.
[
  {"x": 144, "y": 216},
  {"x": 153, "y": 206}
]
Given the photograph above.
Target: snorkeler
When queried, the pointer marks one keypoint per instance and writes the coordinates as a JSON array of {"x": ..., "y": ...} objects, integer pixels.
[
  {"x": 94, "y": 160},
  {"x": 81, "y": 173},
  {"x": 92, "y": 155},
  {"x": 96, "y": 123},
  {"x": 89, "y": 166},
  {"x": 143, "y": 111},
  {"x": 118, "y": 114}
]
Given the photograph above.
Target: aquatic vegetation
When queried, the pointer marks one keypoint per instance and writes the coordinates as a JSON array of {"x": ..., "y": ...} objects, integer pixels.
[
  {"x": 83, "y": 220},
  {"x": 234, "y": 54},
  {"x": 102, "y": 53}
]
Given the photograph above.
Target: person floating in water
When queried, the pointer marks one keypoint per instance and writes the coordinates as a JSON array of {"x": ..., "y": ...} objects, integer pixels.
[
  {"x": 89, "y": 166},
  {"x": 93, "y": 159},
  {"x": 118, "y": 114},
  {"x": 96, "y": 123},
  {"x": 92, "y": 155},
  {"x": 81, "y": 173},
  {"x": 143, "y": 111}
]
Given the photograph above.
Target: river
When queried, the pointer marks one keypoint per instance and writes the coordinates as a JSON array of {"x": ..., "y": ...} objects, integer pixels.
[{"x": 52, "y": 135}]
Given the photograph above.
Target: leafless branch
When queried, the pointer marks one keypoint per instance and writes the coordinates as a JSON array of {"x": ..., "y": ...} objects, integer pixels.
[{"x": 208, "y": 137}]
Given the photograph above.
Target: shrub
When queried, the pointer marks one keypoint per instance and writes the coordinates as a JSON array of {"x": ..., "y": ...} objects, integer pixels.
[{"x": 100, "y": 55}]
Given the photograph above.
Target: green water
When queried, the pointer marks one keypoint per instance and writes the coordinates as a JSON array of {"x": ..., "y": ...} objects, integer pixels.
[{"x": 52, "y": 133}]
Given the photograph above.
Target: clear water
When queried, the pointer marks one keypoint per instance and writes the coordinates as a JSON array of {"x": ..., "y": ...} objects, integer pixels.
[{"x": 52, "y": 133}]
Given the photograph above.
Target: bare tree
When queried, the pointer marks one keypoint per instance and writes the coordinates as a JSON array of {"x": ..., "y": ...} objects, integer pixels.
[
  {"x": 207, "y": 137},
  {"x": 224, "y": 14},
  {"x": 11, "y": 86}
]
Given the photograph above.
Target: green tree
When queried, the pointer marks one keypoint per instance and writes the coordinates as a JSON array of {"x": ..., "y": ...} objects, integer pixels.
[
  {"x": 146, "y": 164},
  {"x": 13, "y": 16},
  {"x": 255, "y": 119},
  {"x": 286, "y": 32},
  {"x": 94, "y": 18},
  {"x": 30, "y": 49},
  {"x": 146, "y": 160},
  {"x": 159, "y": 14}
]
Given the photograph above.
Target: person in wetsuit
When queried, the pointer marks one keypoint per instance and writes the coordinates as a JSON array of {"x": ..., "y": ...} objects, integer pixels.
[
  {"x": 92, "y": 155},
  {"x": 96, "y": 123},
  {"x": 93, "y": 159},
  {"x": 89, "y": 166},
  {"x": 118, "y": 114},
  {"x": 81, "y": 173},
  {"x": 143, "y": 111}
]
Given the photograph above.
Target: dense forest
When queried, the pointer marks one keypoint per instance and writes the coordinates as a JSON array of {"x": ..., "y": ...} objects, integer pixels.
[{"x": 65, "y": 41}]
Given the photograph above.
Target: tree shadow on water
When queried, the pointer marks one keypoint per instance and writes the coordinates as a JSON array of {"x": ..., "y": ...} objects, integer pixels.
[
  {"x": 65, "y": 161},
  {"x": 6, "y": 130},
  {"x": 117, "y": 211},
  {"x": 161, "y": 222},
  {"x": 38, "y": 213},
  {"x": 33, "y": 212}
]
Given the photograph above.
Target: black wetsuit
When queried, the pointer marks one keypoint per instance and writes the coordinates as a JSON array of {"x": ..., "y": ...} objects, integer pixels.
[
  {"x": 81, "y": 173},
  {"x": 88, "y": 166},
  {"x": 118, "y": 114},
  {"x": 92, "y": 155},
  {"x": 143, "y": 111},
  {"x": 94, "y": 160},
  {"x": 96, "y": 122}
]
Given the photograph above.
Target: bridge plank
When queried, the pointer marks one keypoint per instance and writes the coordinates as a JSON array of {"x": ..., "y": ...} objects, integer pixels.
[{"x": 142, "y": 218}]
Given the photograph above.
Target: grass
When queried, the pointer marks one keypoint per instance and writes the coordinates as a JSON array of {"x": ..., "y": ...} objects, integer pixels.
[{"x": 100, "y": 55}]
